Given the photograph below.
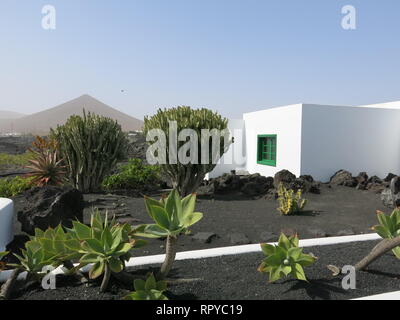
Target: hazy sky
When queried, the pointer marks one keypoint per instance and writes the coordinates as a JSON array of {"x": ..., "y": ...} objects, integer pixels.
[{"x": 234, "y": 56}]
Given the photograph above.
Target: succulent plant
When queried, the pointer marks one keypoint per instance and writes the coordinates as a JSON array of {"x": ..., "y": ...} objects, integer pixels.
[
  {"x": 91, "y": 146},
  {"x": 172, "y": 216},
  {"x": 46, "y": 169},
  {"x": 45, "y": 248},
  {"x": 186, "y": 178},
  {"x": 41, "y": 145},
  {"x": 389, "y": 227},
  {"x": 148, "y": 290},
  {"x": 32, "y": 260},
  {"x": 105, "y": 244},
  {"x": 58, "y": 243},
  {"x": 34, "y": 257},
  {"x": 289, "y": 201},
  {"x": 285, "y": 259}
]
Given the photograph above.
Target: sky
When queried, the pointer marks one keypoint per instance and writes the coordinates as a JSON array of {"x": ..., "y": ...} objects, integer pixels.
[{"x": 233, "y": 56}]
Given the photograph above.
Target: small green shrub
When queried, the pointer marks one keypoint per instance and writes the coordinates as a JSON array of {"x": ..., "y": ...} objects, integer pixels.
[
  {"x": 389, "y": 227},
  {"x": 289, "y": 201},
  {"x": 148, "y": 290},
  {"x": 10, "y": 187},
  {"x": 285, "y": 259},
  {"x": 134, "y": 175}
]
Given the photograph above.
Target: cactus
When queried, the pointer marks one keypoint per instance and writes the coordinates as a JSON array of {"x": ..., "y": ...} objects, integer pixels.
[
  {"x": 290, "y": 202},
  {"x": 90, "y": 146},
  {"x": 186, "y": 178}
]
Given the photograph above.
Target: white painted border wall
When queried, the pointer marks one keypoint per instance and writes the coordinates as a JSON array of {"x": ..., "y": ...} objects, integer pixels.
[
  {"x": 352, "y": 138},
  {"x": 6, "y": 222},
  {"x": 286, "y": 123},
  {"x": 218, "y": 252}
]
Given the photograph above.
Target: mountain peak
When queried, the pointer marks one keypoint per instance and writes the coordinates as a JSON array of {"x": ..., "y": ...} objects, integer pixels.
[{"x": 41, "y": 122}]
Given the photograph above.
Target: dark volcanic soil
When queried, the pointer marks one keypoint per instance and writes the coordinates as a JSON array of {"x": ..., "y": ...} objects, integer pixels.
[
  {"x": 236, "y": 277},
  {"x": 336, "y": 211}
]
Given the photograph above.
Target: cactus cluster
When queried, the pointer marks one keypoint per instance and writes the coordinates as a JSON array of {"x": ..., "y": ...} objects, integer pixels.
[
  {"x": 186, "y": 178},
  {"x": 290, "y": 202},
  {"x": 91, "y": 145}
]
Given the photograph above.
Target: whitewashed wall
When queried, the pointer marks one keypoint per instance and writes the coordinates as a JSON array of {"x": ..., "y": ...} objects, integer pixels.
[
  {"x": 352, "y": 138},
  {"x": 235, "y": 157},
  {"x": 285, "y": 122}
]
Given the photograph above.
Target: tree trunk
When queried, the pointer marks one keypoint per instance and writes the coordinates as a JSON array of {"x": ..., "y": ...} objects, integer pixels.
[
  {"x": 106, "y": 278},
  {"x": 380, "y": 249},
  {"x": 170, "y": 254}
]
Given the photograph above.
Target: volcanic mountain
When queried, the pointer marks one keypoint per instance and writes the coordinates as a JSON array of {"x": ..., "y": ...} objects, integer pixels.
[
  {"x": 41, "y": 122},
  {"x": 4, "y": 114}
]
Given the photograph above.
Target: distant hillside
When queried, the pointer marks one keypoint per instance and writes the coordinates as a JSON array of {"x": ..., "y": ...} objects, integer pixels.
[
  {"x": 41, "y": 122},
  {"x": 4, "y": 114}
]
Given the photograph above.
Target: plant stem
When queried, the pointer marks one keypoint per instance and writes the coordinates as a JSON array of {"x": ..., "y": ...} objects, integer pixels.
[
  {"x": 380, "y": 249},
  {"x": 77, "y": 274},
  {"x": 106, "y": 278},
  {"x": 170, "y": 254},
  {"x": 7, "y": 287}
]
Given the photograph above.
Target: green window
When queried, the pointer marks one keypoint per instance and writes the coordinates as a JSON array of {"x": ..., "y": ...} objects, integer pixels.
[{"x": 266, "y": 149}]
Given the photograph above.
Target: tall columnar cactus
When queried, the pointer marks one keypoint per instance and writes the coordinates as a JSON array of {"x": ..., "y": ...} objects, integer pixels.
[
  {"x": 186, "y": 178},
  {"x": 90, "y": 146}
]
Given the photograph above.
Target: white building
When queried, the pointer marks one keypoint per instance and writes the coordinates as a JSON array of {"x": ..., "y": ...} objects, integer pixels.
[{"x": 317, "y": 140}]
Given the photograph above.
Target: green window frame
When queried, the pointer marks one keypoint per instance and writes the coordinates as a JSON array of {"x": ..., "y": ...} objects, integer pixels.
[{"x": 267, "y": 149}]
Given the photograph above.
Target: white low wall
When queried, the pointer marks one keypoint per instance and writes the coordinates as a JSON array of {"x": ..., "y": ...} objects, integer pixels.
[
  {"x": 384, "y": 296},
  {"x": 218, "y": 252},
  {"x": 6, "y": 222}
]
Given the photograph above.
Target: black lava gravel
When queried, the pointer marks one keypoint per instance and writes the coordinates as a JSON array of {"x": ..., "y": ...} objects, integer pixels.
[{"x": 236, "y": 277}]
